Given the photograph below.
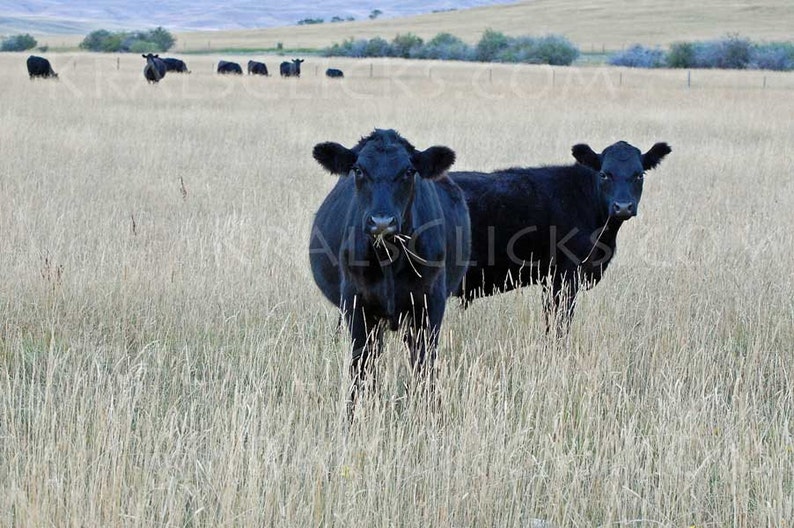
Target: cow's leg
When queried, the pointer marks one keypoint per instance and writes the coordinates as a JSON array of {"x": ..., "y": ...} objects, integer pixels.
[
  {"x": 424, "y": 327},
  {"x": 559, "y": 302},
  {"x": 366, "y": 334}
]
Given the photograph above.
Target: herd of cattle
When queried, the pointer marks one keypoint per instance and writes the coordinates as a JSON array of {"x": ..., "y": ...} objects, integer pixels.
[
  {"x": 399, "y": 234},
  {"x": 156, "y": 68}
]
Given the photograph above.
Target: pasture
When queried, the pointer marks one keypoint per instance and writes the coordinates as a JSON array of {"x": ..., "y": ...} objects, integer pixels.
[{"x": 166, "y": 359}]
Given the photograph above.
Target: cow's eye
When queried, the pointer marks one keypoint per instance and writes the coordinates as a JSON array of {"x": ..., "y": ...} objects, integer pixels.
[
  {"x": 357, "y": 173},
  {"x": 639, "y": 176},
  {"x": 409, "y": 174},
  {"x": 605, "y": 176}
]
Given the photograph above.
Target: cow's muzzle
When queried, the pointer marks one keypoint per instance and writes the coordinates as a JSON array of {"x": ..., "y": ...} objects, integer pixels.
[
  {"x": 380, "y": 226},
  {"x": 623, "y": 210}
]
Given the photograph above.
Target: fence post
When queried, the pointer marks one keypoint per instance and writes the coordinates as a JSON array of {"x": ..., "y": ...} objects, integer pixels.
[
  {"x": 689, "y": 79},
  {"x": 118, "y": 63},
  {"x": 370, "y": 69},
  {"x": 490, "y": 75},
  {"x": 764, "y": 81},
  {"x": 621, "y": 78}
]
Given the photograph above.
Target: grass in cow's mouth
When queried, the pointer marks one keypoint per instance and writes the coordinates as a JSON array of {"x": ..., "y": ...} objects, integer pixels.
[{"x": 380, "y": 242}]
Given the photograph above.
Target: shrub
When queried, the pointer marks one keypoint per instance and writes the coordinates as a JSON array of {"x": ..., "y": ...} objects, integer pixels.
[
  {"x": 154, "y": 40},
  {"x": 774, "y": 56},
  {"x": 18, "y": 43},
  {"x": 491, "y": 45},
  {"x": 142, "y": 46},
  {"x": 445, "y": 46},
  {"x": 377, "y": 47},
  {"x": 639, "y": 57},
  {"x": 406, "y": 46},
  {"x": 555, "y": 50},
  {"x": 681, "y": 55}
]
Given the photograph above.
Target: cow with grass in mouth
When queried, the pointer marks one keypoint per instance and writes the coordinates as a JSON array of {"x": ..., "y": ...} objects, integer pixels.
[
  {"x": 389, "y": 244},
  {"x": 555, "y": 225}
]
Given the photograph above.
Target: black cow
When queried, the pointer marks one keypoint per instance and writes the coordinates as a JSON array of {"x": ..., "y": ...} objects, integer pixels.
[
  {"x": 553, "y": 225},
  {"x": 175, "y": 65},
  {"x": 334, "y": 73},
  {"x": 257, "y": 68},
  {"x": 227, "y": 67},
  {"x": 291, "y": 69},
  {"x": 389, "y": 244},
  {"x": 40, "y": 67},
  {"x": 155, "y": 68}
]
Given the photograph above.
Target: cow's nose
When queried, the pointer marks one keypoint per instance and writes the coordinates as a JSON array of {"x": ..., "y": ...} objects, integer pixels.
[
  {"x": 382, "y": 225},
  {"x": 623, "y": 210}
]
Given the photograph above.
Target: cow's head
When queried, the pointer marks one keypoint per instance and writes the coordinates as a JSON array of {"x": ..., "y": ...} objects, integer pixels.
[
  {"x": 150, "y": 57},
  {"x": 621, "y": 171},
  {"x": 386, "y": 168}
]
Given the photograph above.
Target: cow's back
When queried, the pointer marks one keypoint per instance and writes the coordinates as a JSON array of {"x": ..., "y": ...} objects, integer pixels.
[{"x": 517, "y": 215}]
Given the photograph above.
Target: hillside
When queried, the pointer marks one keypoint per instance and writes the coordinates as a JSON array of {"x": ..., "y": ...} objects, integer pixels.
[
  {"x": 611, "y": 24},
  {"x": 82, "y": 16}
]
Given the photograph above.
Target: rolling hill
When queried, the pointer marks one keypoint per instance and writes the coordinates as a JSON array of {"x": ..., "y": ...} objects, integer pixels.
[
  {"x": 606, "y": 25},
  {"x": 82, "y": 16}
]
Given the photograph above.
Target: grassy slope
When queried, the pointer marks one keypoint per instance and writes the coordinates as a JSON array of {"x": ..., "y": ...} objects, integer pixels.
[{"x": 609, "y": 24}]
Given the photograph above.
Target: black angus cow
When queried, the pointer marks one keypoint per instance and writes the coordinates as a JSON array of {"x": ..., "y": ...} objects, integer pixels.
[
  {"x": 175, "y": 65},
  {"x": 40, "y": 67},
  {"x": 291, "y": 69},
  {"x": 389, "y": 244},
  {"x": 257, "y": 68},
  {"x": 227, "y": 67},
  {"x": 155, "y": 68},
  {"x": 553, "y": 225},
  {"x": 334, "y": 73}
]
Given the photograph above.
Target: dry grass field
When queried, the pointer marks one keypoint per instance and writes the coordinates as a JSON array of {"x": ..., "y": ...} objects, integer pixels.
[{"x": 166, "y": 359}]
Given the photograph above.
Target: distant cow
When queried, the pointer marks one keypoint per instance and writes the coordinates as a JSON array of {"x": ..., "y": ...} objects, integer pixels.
[
  {"x": 389, "y": 244},
  {"x": 226, "y": 67},
  {"x": 257, "y": 68},
  {"x": 40, "y": 67},
  {"x": 175, "y": 65},
  {"x": 554, "y": 225},
  {"x": 333, "y": 72},
  {"x": 155, "y": 68},
  {"x": 291, "y": 69}
]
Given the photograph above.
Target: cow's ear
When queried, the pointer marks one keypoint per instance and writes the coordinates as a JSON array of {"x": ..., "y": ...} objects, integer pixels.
[
  {"x": 585, "y": 155},
  {"x": 142, "y": 55},
  {"x": 334, "y": 157},
  {"x": 434, "y": 162},
  {"x": 657, "y": 153}
]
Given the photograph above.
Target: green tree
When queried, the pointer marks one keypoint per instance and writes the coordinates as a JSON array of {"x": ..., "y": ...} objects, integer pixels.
[
  {"x": 162, "y": 38},
  {"x": 681, "y": 55},
  {"x": 406, "y": 45},
  {"x": 491, "y": 45},
  {"x": 18, "y": 43}
]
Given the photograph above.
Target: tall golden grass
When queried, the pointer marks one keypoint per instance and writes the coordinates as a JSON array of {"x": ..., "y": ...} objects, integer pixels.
[{"x": 165, "y": 358}]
